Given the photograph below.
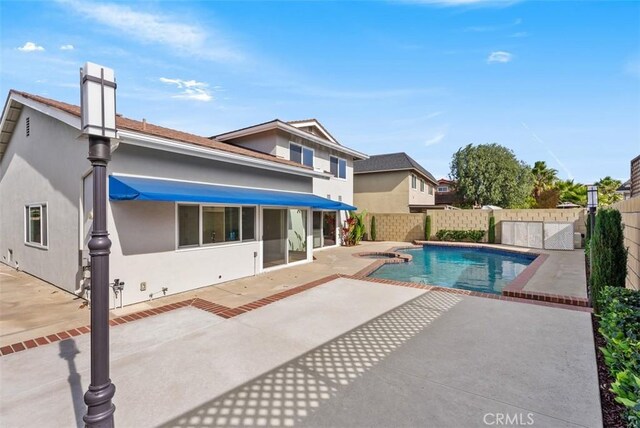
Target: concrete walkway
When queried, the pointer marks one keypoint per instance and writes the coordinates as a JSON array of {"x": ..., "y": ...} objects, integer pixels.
[
  {"x": 346, "y": 353},
  {"x": 562, "y": 273}
]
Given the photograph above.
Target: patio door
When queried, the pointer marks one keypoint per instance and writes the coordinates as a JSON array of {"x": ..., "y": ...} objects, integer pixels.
[{"x": 274, "y": 237}]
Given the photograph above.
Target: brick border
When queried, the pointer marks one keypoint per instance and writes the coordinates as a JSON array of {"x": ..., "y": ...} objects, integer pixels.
[
  {"x": 513, "y": 290},
  {"x": 198, "y": 303}
]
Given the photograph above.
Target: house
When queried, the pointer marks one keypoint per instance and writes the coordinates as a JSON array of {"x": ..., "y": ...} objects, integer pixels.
[
  {"x": 625, "y": 190},
  {"x": 446, "y": 195},
  {"x": 392, "y": 183},
  {"x": 184, "y": 211}
]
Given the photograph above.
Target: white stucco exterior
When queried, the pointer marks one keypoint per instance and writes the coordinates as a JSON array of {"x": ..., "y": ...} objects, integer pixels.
[{"x": 50, "y": 167}]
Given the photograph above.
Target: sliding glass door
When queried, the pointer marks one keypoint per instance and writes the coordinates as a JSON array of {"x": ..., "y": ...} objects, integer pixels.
[
  {"x": 274, "y": 236},
  {"x": 297, "y": 235}
]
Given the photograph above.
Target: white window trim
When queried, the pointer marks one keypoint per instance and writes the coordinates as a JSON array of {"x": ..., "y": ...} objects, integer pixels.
[
  {"x": 346, "y": 164},
  {"x": 422, "y": 184},
  {"x": 302, "y": 148},
  {"x": 26, "y": 226},
  {"x": 414, "y": 182},
  {"x": 200, "y": 244},
  {"x": 440, "y": 189}
]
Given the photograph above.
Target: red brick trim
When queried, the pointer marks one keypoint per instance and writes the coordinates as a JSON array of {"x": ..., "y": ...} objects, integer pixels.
[{"x": 205, "y": 305}]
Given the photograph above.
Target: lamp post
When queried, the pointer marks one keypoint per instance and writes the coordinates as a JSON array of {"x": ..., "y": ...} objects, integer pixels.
[
  {"x": 592, "y": 204},
  {"x": 98, "y": 107}
]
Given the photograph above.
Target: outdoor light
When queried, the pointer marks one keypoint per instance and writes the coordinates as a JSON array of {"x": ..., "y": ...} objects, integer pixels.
[
  {"x": 592, "y": 197},
  {"x": 98, "y": 100},
  {"x": 98, "y": 121}
]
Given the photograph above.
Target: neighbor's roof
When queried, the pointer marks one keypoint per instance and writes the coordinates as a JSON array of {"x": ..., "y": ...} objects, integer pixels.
[
  {"x": 123, "y": 123},
  {"x": 317, "y": 124},
  {"x": 390, "y": 162}
]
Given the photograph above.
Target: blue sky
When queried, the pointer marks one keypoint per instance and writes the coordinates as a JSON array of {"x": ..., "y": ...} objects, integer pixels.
[{"x": 554, "y": 81}]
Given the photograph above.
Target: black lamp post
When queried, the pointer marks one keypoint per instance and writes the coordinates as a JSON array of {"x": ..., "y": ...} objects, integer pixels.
[
  {"x": 592, "y": 204},
  {"x": 98, "y": 105}
]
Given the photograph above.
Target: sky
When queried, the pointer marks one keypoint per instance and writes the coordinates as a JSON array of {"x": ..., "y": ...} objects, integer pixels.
[{"x": 551, "y": 80}]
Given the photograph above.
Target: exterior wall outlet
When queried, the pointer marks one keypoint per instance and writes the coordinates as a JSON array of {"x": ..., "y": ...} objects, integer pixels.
[{"x": 143, "y": 286}]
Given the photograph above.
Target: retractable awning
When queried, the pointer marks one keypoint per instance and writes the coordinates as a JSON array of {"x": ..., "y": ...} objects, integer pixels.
[{"x": 124, "y": 188}]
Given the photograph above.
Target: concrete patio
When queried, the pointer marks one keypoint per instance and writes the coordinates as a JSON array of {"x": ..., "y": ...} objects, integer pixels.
[{"x": 345, "y": 353}]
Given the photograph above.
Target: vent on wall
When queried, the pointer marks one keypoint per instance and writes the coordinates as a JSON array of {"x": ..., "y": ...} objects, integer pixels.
[{"x": 27, "y": 126}]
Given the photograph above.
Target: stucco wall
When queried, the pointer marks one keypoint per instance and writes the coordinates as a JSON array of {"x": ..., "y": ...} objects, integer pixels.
[
  {"x": 46, "y": 167},
  {"x": 383, "y": 192},
  {"x": 630, "y": 211},
  {"x": 408, "y": 227},
  {"x": 417, "y": 197}
]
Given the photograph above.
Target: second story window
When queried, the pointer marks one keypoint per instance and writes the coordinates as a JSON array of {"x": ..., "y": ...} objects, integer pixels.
[
  {"x": 300, "y": 154},
  {"x": 421, "y": 185},
  {"x": 443, "y": 189},
  {"x": 430, "y": 189},
  {"x": 338, "y": 167},
  {"x": 414, "y": 182}
]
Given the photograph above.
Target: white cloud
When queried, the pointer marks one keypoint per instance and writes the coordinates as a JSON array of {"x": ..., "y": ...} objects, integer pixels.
[
  {"x": 153, "y": 28},
  {"x": 499, "y": 56},
  {"x": 67, "y": 48},
  {"x": 191, "y": 89},
  {"x": 438, "y": 137},
  {"x": 30, "y": 47}
]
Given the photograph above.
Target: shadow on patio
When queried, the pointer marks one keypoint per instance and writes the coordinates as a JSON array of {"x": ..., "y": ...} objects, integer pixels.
[{"x": 289, "y": 393}]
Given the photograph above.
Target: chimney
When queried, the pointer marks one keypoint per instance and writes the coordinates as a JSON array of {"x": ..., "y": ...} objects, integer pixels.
[{"x": 144, "y": 124}]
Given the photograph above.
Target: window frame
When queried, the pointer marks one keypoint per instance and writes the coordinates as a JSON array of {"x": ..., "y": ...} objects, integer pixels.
[
  {"x": 302, "y": 150},
  {"x": 422, "y": 185},
  {"x": 430, "y": 190},
  {"x": 202, "y": 245},
  {"x": 337, "y": 174},
  {"x": 440, "y": 189},
  {"x": 44, "y": 225},
  {"x": 414, "y": 182}
]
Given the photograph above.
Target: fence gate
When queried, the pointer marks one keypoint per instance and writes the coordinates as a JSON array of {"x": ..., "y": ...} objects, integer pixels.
[{"x": 537, "y": 234}]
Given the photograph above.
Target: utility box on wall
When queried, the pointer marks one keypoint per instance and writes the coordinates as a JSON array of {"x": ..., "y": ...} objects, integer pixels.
[{"x": 540, "y": 235}]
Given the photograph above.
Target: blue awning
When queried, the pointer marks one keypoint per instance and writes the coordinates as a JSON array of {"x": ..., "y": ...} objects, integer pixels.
[{"x": 150, "y": 189}]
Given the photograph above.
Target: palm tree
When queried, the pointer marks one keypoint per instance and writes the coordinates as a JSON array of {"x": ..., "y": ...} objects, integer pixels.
[
  {"x": 607, "y": 191},
  {"x": 543, "y": 178},
  {"x": 572, "y": 192}
]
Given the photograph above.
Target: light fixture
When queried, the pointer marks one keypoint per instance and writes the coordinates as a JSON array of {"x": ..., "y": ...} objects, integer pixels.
[{"x": 592, "y": 197}]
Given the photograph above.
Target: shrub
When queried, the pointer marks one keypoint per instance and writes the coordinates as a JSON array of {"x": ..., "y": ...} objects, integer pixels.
[
  {"x": 619, "y": 321},
  {"x": 353, "y": 229},
  {"x": 460, "y": 235},
  {"x": 373, "y": 228},
  {"x": 427, "y": 228},
  {"x": 492, "y": 230},
  {"x": 608, "y": 254}
]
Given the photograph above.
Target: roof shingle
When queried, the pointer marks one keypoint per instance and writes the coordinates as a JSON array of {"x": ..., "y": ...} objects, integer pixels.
[
  {"x": 160, "y": 131},
  {"x": 390, "y": 162}
]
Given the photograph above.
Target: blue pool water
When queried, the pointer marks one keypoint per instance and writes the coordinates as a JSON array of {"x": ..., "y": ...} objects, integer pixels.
[{"x": 476, "y": 269}]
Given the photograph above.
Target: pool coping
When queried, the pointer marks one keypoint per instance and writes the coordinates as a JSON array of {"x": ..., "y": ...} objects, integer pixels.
[{"x": 514, "y": 289}]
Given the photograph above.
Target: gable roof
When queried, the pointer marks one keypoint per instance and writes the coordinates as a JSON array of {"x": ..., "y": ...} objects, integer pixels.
[
  {"x": 292, "y": 129},
  {"x": 391, "y": 162},
  {"x": 313, "y": 123},
  {"x": 143, "y": 127}
]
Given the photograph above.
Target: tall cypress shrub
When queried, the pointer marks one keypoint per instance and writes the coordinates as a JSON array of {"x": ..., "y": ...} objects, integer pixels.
[
  {"x": 427, "y": 228},
  {"x": 374, "y": 233},
  {"x": 492, "y": 230},
  {"x": 609, "y": 256}
]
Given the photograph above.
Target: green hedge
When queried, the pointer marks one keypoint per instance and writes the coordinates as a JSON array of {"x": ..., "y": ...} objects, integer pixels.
[
  {"x": 619, "y": 321},
  {"x": 460, "y": 235},
  {"x": 608, "y": 254}
]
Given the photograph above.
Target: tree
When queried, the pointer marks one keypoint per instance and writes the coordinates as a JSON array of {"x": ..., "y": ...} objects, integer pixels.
[
  {"x": 609, "y": 255},
  {"x": 572, "y": 192},
  {"x": 543, "y": 178},
  {"x": 549, "y": 198},
  {"x": 607, "y": 191},
  {"x": 490, "y": 174}
]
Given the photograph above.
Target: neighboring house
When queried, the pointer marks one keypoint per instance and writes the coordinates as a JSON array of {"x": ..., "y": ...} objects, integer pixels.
[
  {"x": 625, "y": 190},
  {"x": 392, "y": 183},
  {"x": 635, "y": 177},
  {"x": 446, "y": 195},
  {"x": 184, "y": 212}
]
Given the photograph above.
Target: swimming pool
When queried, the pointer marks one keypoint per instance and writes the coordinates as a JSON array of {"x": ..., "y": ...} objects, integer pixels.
[{"x": 485, "y": 270}]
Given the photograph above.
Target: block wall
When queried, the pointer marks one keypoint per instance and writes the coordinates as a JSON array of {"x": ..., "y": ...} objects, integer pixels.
[{"x": 630, "y": 211}]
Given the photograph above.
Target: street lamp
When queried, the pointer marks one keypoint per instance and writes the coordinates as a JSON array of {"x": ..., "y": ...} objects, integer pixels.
[
  {"x": 98, "y": 121},
  {"x": 592, "y": 204}
]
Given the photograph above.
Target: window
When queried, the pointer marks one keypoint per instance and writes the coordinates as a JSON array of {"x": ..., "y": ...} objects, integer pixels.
[
  {"x": 422, "y": 185},
  {"x": 430, "y": 189},
  {"x": 248, "y": 223},
  {"x": 36, "y": 231},
  {"x": 338, "y": 167},
  {"x": 443, "y": 189},
  {"x": 414, "y": 182},
  {"x": 300, "y": 154},
  {"x": 206, "y": 225}
]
